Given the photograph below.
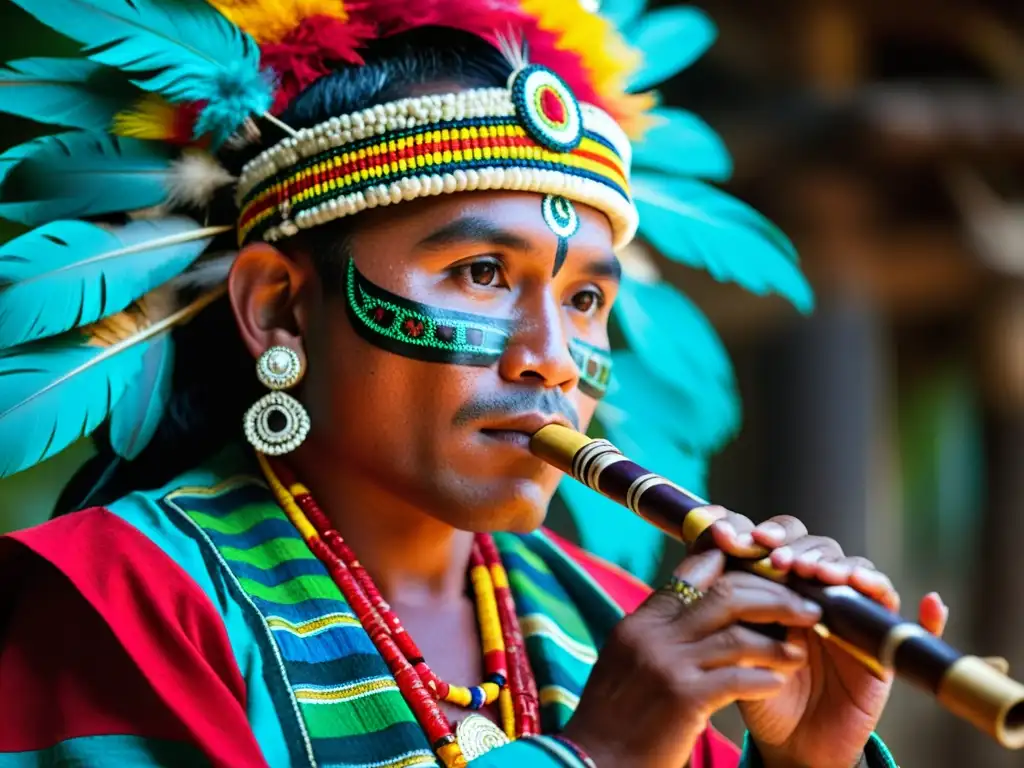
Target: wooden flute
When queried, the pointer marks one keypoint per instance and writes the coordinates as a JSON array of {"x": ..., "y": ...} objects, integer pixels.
[{"x": 884, "y": 642}]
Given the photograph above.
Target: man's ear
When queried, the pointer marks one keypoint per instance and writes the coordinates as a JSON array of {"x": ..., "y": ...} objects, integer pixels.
[{"x": 265, "y": 286}]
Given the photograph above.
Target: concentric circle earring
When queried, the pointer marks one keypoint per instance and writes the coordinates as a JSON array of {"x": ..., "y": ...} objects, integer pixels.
[{"x": 277, "y": 423}]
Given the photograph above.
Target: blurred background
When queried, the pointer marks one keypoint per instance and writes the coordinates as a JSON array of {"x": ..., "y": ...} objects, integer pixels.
[{"x": 887, "y": 139}]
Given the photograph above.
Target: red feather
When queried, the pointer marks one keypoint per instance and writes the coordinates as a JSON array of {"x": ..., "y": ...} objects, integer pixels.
[
  {"x": 306, "y": 54},
  {"x": 487, "y": 19}
]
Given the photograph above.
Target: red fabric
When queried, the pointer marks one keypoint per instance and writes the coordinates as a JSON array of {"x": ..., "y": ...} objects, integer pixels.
[
  {"x": 101, "y": 633},
  {"x": 713, "y": 750}
]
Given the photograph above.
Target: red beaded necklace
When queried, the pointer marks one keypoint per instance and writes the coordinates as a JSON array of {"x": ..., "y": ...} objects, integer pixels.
[{"x": 509, "y": 679}]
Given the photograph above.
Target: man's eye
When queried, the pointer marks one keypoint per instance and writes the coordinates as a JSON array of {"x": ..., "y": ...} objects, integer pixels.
[
  {"x": 486, "y": 273},
  {"x": 587, "y": 301},
  {"x": 483, "y": 273}
]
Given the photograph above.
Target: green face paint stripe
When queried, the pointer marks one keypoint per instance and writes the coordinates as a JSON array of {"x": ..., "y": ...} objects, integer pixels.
[
  {"x": 419, "y": 331},
  {"x": 595, "y": 365}
]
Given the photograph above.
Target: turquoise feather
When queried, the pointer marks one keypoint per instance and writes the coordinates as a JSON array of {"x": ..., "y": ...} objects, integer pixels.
[
  {"x": 76, "y": 175},
  {"x": 671, "y": 39},
  {"x": 696, "y": 224},
  {"x": 77, "y": 93},
  {"x": 683, "y": 144},
  {"x": 622, "y": 13},
  {"x": 612, "y": 532},
  {"x": 56, "y": 392},
  {"x": 135, "y": 419},
  {"x": 699, "y": 420},
  {"x": 675, "y": 343},
  {"x": 184, "y": 50},
  {"x": 70, "y": 273}
]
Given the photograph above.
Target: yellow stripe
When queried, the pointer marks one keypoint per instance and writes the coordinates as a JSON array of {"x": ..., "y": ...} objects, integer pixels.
[
  {"x": 587, "y": 144},
  {"x": 407, "y": 762},
  {"x": 556, "y": 694},
  {"x": 302, "y": 629},
  {"x": 499, "y": 577},
  {"x": 538, "y": 625},
  {"x": 344, "y": 693}
]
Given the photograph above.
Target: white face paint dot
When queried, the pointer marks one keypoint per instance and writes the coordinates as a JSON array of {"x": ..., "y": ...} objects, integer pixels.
[{"x": 560, "y": 215}]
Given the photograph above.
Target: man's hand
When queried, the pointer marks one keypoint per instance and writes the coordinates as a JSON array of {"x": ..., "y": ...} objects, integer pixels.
[
  {"x": 671, "y": 664},
  {"x": 680, "y": 658},
  {"x": 826, "y": 712}
]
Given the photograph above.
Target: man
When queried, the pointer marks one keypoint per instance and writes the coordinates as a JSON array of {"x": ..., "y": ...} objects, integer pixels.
[{"x": 425, "y": 279}]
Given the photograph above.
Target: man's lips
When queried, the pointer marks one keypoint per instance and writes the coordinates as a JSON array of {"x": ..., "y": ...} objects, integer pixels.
[{"x": 517, "y": 430}]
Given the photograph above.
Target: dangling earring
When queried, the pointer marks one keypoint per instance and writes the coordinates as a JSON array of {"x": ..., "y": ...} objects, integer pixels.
[{"x": 277, "y": 423}]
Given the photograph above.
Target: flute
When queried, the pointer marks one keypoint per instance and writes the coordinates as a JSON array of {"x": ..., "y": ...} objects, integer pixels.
[{"x": 882, "y": 640}]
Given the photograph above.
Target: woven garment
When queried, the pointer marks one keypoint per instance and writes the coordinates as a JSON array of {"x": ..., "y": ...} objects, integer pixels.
[{"x": 204, "y": 603}]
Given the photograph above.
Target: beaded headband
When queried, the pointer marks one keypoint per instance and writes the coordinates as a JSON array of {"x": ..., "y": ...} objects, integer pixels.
[{"x": 532, "y": 136}]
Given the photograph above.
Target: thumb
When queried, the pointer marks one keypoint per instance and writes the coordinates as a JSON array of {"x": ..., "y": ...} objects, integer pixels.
[{"x": 701, "y": 570}]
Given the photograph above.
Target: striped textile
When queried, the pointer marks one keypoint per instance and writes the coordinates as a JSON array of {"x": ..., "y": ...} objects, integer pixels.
[
  {"x": 353, "y": 712},
  {"x": 559, "y": 642}
]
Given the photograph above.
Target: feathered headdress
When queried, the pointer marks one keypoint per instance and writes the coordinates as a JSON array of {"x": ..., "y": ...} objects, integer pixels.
[{"x": 162, "y": 85}]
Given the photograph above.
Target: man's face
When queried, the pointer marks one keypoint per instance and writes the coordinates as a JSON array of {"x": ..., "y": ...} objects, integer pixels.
[{"x": 448, "y": 431}]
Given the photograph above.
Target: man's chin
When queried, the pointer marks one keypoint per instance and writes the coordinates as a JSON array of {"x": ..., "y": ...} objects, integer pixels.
[{"x": 517, "y": 507}]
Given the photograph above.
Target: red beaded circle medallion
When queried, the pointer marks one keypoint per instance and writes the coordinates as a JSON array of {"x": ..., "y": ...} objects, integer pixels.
[{"x": 547, "y": 108}]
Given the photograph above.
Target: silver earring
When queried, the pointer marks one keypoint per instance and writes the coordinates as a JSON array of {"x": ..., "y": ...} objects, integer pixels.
[{"x": 277, "y": 423}]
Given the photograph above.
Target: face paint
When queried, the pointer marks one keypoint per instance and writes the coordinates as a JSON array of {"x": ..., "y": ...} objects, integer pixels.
[
  {"x": 595, "y": 365},
  {"x": 419, "y": 331},
  {"x": 561, "y": 217}
]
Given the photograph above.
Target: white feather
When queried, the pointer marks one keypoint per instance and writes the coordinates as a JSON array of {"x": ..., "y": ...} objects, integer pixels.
[
  {"x": 206, "y": 273},
  {"x": 248, "y": 134},
  {"x": 194, "y": 178},
  {"x": 513, "y": 47}
]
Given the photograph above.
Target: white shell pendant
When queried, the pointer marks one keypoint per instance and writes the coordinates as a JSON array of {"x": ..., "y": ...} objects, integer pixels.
[{"x": 477, "y": 736}]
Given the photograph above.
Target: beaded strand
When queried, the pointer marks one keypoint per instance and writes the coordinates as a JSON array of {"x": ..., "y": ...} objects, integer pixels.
[{"x": 525, "y": 701}]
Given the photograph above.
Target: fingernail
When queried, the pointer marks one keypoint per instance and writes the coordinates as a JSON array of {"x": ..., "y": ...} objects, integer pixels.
[
  {"x": 941, "y": 601},
  {"x": 726, "y": 528},
  {"x": 783, "y": 553},
  {"x": 774, "y": 530},
  {"x": 745, "y": 540},
  {"x": 836, "y": 570},
  {"x": 872, "y": 577},
  {"x": 809, "y": 559},
  {"x": 793, "y": 651},
  {"x": 811, "y": 607}
]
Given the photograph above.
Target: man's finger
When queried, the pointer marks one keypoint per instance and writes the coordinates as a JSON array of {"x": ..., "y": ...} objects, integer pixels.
[
  {"x": 732, "y": 600},
  {"x": 721, "y": 687},
  {"x": 933, "y": 614},
  {"x": 742, "y": 647},
  {"x": 777, "y": 531},
  {"x": 700, "y": 571}
]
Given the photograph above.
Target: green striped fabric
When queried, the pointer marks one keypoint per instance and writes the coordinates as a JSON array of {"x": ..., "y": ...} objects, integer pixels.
[{"x": 353, "y": 713}]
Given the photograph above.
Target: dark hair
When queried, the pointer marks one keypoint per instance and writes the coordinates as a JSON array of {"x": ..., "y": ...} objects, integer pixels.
[{"x": 214, "y": 378}]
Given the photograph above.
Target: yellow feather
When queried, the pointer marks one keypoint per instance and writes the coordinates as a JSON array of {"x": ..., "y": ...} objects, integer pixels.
[
  {"x": 151, "y": 308},
  {"x": 270, "y": 21},
  {"x": 151, "y": 118},
  {"x": 607, "y": 58}
]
